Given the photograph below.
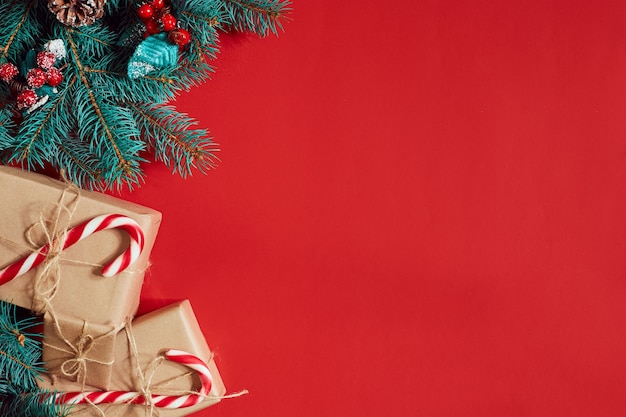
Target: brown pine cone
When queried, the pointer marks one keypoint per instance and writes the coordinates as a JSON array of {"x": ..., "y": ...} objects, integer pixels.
[{"x": 77, "y": 12}]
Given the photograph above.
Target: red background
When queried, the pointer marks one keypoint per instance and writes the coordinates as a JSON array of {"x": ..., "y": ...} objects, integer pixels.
[{"x": 419, "y": 212}]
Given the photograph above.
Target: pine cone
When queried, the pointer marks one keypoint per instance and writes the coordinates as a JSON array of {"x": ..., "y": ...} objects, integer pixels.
[{"x": 77, "y": 13}]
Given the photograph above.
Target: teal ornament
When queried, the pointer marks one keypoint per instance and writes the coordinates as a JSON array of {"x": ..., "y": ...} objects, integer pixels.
[{"x": 153, "y": 54}]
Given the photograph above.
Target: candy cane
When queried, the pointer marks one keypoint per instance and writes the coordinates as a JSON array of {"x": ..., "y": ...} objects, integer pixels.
[
  {"x": 160, "y": 401},
  {"x": 78, "y": 233}
]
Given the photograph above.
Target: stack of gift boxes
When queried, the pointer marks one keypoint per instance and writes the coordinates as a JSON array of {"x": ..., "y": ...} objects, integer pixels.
[{"x": 92, "y": 341}]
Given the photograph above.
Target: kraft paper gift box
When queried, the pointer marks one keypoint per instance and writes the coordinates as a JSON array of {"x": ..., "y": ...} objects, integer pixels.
[
  {"x": 81, "y": 295},
  {"x": 77, "y": 350},
  {"x": 81, "y": 292},
  {"x": 172, "y": 327}
]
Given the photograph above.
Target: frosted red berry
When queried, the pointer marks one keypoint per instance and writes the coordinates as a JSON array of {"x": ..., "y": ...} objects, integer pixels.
[
  {"x": 26, "y": 99},
  {"x": 145, "y": 11},
  {"x": 46, "y": 59},
  {"x": 180, "y": 37},
  {"x": 152, "y": 27},
  {"x": 8, "y": 71},
  {"x": 169, "y": 22},
  {"x": 54, "y": 77},
  {"x": 36, "y": 77},
  {"x": 158, "y": 4}
]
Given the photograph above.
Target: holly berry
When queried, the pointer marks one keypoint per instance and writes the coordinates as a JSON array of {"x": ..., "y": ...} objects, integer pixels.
[
  {"x": 180, "y": 37},
  {"x": 169, "y": 22},
  {"x": 8, "y": 71},
  {"x": 26, "y": 99},
  {"x": 158, "y": 4},
  {"x": 54, "y": 77},
  {"x": 145, "y": 11},
  {"x": 152, "y": 27},
  {"x": 36, "y": 77},
  {"x": 46, "y": 59}
]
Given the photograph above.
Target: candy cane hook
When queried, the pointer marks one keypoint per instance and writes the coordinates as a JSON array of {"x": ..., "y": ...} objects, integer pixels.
[
  {"x": 78, "y": 233},
  {"x": 160, "y": 401}
]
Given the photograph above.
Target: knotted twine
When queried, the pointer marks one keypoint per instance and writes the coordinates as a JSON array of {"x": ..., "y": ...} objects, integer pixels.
[
  {"x": 54, "y": 229},
  {"x": 144, "y": 385}
]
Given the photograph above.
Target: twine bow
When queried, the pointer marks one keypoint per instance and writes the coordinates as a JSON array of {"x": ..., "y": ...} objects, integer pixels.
[{"x": 79, "y": 353}]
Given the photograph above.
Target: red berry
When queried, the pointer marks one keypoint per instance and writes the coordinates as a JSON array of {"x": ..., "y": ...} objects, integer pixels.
[
  {"x": 169, "y": 22},
  {"x": 180, "y": 37},
  {"x": 46, "y": 59},
  {"x": 158, "y": 4},
  {"x": 145, "y": 11},
  {"x": 54, "y": 77},
  {"x": 26, "y": 99},
  {"x": 152, "y": 27},
  {"x": 8, "y": 71},
  {"x": 36, "y": 77}
]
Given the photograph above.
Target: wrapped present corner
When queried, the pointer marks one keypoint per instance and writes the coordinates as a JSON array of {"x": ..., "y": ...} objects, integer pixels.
[
  {"x": 39, "y": 206},
  {"x": 138, "y": 367},
  {"x": 78, "y": 350}
]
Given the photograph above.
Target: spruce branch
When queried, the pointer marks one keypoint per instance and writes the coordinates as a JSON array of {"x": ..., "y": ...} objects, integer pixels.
[
  {"x": 172, "y": 139},
  {"x": 16, "y": 39},
  {"x": 20, "y": 349},
  {"x": 32, "y": 404},
  {"x": 258, "y": 16},
  {"x": 31, "y": 145},
  {"x": 6, "y": 128},
  {"x": 110, "y": 129},
  {"x": 99, "y": 123},
  {"x": 80, "y": 164}
]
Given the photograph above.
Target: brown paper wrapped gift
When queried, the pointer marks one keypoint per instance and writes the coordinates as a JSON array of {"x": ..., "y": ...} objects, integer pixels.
[
  {"x": 172, "y": 327},
  {"x": 78, "y": 350},
  {"x": 81, "y": 298},
  {"x": 81, "y": 291}
]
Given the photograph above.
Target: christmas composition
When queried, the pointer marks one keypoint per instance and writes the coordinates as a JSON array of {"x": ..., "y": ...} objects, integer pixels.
[
  {"x": 84, "y": 84},
  {"x": 84, "y": 90}
]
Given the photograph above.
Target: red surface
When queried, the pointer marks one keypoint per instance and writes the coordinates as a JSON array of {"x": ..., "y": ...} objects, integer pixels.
[{"x": 419, "y": 212}]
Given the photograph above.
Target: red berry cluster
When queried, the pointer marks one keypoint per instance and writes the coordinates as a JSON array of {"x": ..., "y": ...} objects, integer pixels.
[
  {"x": 46, "y": 73},
  {"x": 157, "y": 18}
]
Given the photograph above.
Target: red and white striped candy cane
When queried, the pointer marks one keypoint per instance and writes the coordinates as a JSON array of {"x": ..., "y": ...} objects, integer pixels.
[
  {"x": 78, "y": 233},
  {"x": 160, "y": 401}
]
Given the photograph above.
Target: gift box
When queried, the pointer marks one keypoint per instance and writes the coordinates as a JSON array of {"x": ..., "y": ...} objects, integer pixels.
[
  {"x": 172, "y": 327},
  {"x": 71, "y": 289},
  {"x": 78, "y": 350},
  {"x": 36, "y": 202}
]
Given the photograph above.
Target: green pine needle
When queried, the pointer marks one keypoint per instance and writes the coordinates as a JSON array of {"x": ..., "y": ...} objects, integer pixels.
[
  {"x": 23, "y": 34},
  {"x": 39, "y": 403},
  {"x": 20, "y": 349},
  {"x": 172, "y": 139},
  {"x": 257, "y": 16},
  {"x": 100, "y": 125}
]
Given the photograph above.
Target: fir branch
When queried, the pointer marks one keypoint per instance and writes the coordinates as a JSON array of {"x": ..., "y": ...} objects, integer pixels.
[
  {"x": 192, "y": 74},
  {"x": 41, "y": 128},
  {"x": 80, "y": 165},
  {"x": 110, "y": 130},
  {"x": 88, "y": 128},
  {"x": 16, "y": 39},
  {"x": 258, "y": 16},
  {"x": 158, "y": 87},
  {"x": 96, "y": 41},
  {"x": 174, "y": 143},
  {"x": 20, "y": 350},
  {"x": 6, "y": 127},
  {"x": 32, "y": 404},
  {"x": 203, "y": 23}
]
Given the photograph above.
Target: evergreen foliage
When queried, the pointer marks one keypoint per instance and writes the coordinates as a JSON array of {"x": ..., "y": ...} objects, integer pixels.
[
  {"x": 20, "y": 366},
  {"x": 20, "y": 350},
  {"x": 31, "y": 404},
  {"x": 100, "y": 125}
]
